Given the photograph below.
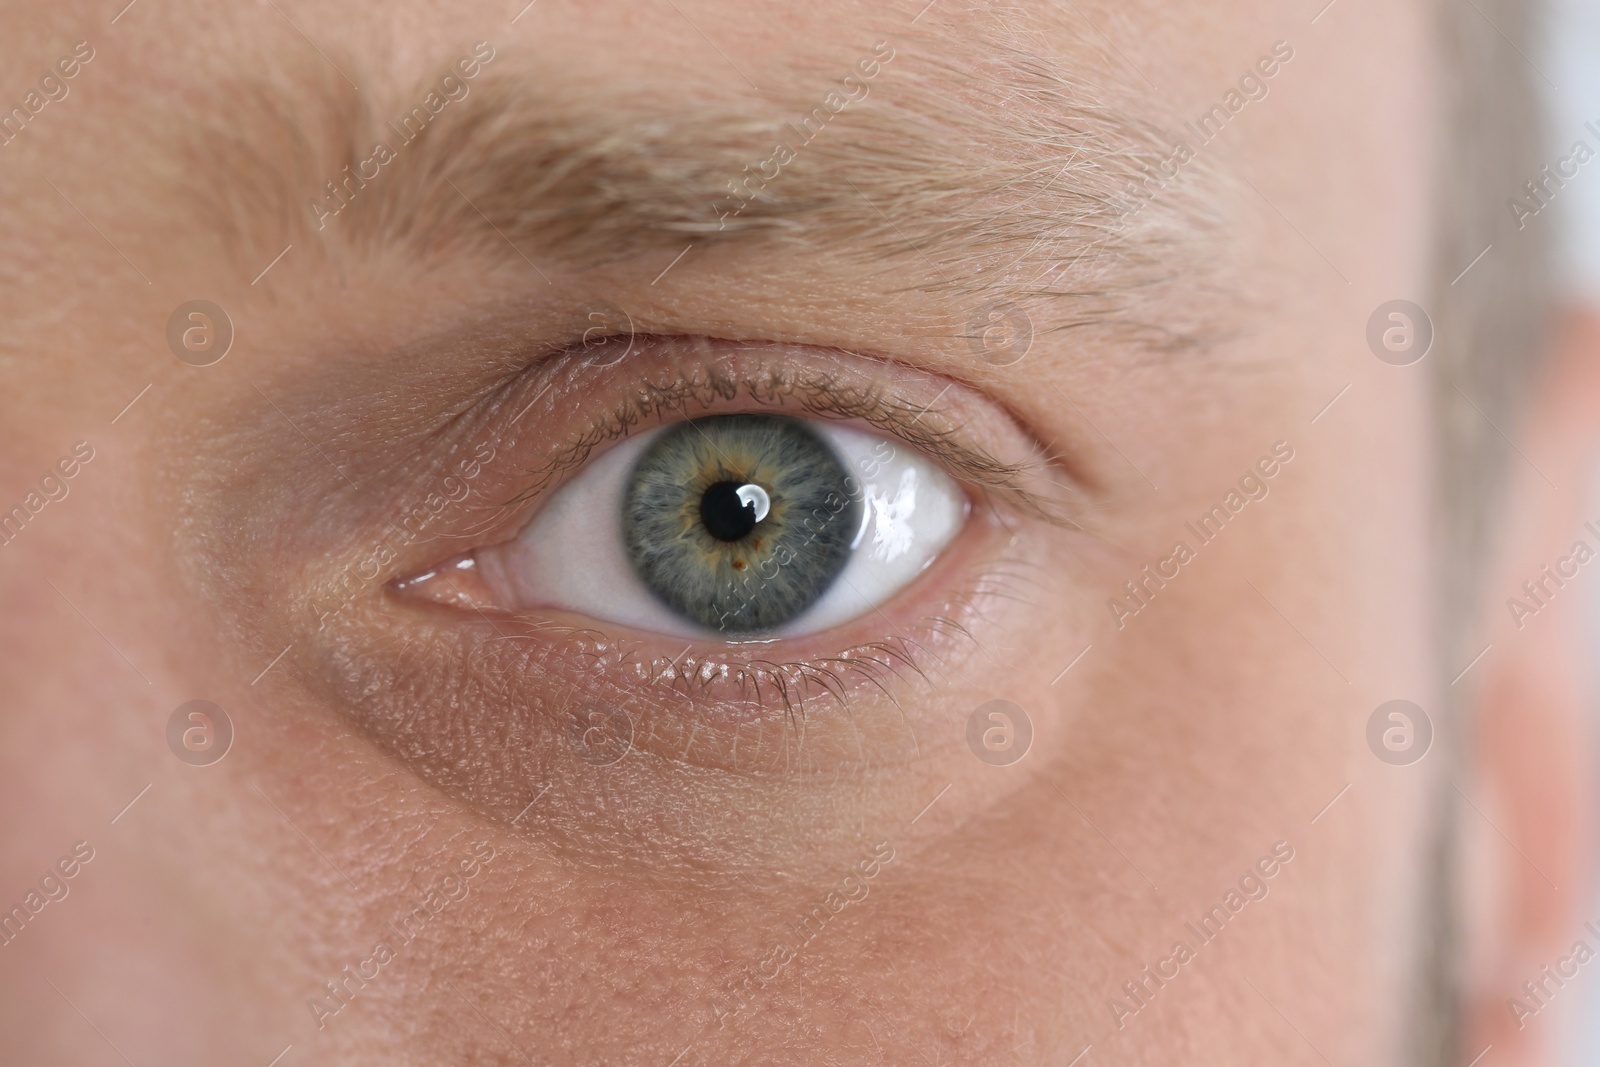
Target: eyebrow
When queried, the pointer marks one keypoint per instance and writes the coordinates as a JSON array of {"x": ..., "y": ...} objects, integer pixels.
[{"x": 990, "y": 169}]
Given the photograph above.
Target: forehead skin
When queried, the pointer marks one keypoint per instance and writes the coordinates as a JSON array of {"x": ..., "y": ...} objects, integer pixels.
[{"x": 1168, "y": 760}]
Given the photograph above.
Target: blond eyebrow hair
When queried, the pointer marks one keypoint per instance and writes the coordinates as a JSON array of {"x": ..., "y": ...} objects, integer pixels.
[{"x": 992, "y": 174}]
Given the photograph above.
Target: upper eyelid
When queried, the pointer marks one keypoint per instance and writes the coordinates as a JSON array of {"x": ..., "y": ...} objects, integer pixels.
[{"x": 818, "y": 394}]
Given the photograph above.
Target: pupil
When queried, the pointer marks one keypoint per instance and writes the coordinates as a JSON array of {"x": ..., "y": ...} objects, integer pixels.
[{"x": 725, "y": 515}]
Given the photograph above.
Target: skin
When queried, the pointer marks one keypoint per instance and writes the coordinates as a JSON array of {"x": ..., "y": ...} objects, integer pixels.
[{"x": 624, "y": 901}]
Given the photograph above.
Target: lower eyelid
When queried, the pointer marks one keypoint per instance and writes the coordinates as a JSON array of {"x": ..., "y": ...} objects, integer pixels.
[
  {"x": 484, "y": 707},
  {"x": 704, "y": 674}
]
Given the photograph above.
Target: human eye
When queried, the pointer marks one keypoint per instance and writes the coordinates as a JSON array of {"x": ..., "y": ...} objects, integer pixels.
[
  {"x": 740, "y": 526},
  {"x": 740, "y": 494},
  {"x": 758, "y": 557}
]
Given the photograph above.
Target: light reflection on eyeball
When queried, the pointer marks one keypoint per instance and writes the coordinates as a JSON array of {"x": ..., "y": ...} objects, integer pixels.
[{"x": 743, "y": 527}]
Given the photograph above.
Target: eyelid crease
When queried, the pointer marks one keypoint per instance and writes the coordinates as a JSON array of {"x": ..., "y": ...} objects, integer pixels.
[{"x": 819, "y": 394}]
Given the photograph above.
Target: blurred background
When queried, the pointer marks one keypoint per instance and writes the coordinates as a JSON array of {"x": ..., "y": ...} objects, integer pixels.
[
  {"x": 1571, "y": 46},
  {"x": 1568, "y": 57}
]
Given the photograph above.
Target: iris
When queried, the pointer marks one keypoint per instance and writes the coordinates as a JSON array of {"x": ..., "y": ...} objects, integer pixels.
[{"x": 740, "y": 522}]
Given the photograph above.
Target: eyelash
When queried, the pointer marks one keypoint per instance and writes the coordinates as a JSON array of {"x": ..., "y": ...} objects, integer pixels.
[
  {"x": 799, "y": 683},
  {"x": 817, "y": 395}
]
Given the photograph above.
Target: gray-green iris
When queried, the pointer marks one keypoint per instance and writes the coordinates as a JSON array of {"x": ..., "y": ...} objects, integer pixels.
[{"x": 739, "y": 522}]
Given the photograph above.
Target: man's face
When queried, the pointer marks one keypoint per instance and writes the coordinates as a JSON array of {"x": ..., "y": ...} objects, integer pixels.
[{"x": 1090, "y": 287}]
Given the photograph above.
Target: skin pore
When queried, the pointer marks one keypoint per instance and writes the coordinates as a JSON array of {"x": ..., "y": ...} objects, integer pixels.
[{"x": 243, "y": 529}]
